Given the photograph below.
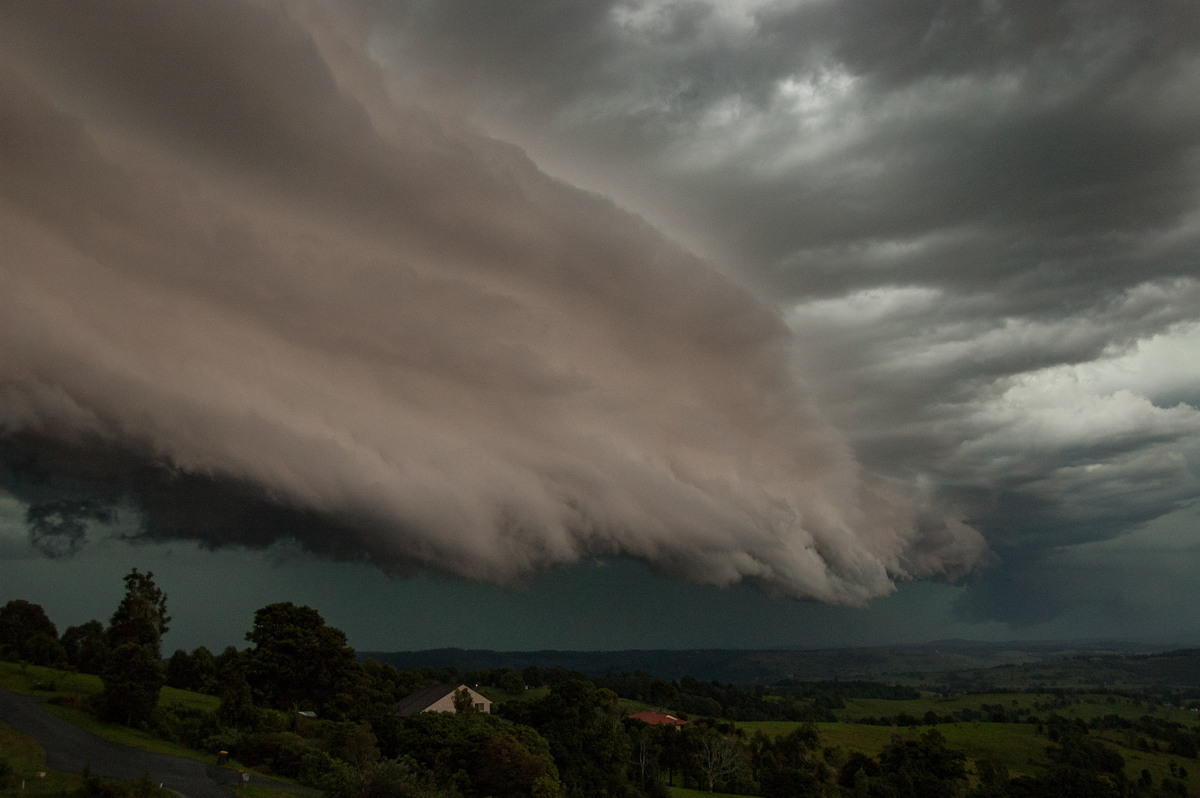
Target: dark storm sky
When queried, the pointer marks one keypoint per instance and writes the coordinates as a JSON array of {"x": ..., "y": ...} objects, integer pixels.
[{"x": 546, "y": 313}]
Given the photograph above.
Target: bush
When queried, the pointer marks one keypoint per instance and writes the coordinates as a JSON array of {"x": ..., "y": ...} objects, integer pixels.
[
  {"x": 96, "y": 787},
  {"x": 191, "y": 727},
  {"x": 281, "y": 752}
]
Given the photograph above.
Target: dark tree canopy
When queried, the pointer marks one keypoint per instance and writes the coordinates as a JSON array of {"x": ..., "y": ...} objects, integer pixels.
[
  {"x": 133, "y": 672},
  {"x": 297, "y": 661},
  {"x": 583, "y": 726},
  {"x": 85, "y": 646},
  {"x": 195, "y": 671},
  {"x": 141, "y": 617},
  {"x": 26, "y": 634}
]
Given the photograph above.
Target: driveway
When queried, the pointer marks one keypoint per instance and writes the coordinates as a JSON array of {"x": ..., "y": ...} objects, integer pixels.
[{"x": 71, "y": 749}]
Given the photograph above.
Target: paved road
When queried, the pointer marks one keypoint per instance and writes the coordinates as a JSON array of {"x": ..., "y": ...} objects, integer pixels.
[{"x": 70, "y": 748}]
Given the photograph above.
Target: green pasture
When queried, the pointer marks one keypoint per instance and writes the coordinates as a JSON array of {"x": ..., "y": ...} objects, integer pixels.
[
  {"x": 71, "y": 693},
  {"x": 1017, "y": 746},
  {"x": 681, "y": 792},
  {"x": 24, "y": 772},
  {"x": 47, "y": 682},
  {"x": 1084, "y": 706}
]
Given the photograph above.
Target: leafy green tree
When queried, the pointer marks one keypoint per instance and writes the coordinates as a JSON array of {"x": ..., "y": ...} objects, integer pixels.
[
  {"x": 86, "y": 647},
  {"x": 786, "y": 765},
  {"x": 133, "y": 672},
  {"x": 463, "y": 705},
  {"x": 510, "y": 681},
  {"x": 141, "y": 617},
  {"x": 195, "y": 671},
  {"x": 132, "y": 679},
  {"x": 298, "y": 661},
  {"x": 582, "y": 724},
  {"x": 236, "y": 709},
  {"x": 719, "y": 757},
  {"x": 923, "y": 768},
  {"x": 387, "y": 778},
  {"x": 27, "y": 635},
  {"x": 479, "y": 755}
]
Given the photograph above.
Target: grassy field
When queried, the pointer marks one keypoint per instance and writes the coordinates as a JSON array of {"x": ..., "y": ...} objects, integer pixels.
[
  {"x": 25, "y": 772},
  {"x": 680, "y": 792},
  {"x": 1017, "y": 746},
  {"x": 1083, "y": 706},
  {"x": 47, "y": 682},
  {"x": 73, "y": 691}
]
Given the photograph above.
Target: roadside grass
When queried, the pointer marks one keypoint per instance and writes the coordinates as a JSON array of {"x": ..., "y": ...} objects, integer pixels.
[
  {"x": 47, "y": 682},
  {"x": 23, "y": 761},
  {"x": 682, "y": 792},
  {"x": 125, "y": 735},
  {"x": 258, "y": 791},
  {"x": 68, "y": 693}
]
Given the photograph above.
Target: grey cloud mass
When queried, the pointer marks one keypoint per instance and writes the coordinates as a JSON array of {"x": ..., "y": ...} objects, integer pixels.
[
  {"x": 816, "y": 295},
  {"x": 256, "y": 294},
  {"x": 979, "y": 219}
]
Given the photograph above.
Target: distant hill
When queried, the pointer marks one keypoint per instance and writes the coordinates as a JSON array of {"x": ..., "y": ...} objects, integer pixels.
[
  {"x": 1169, "y": 669},
  {"x": 1047, "y": 663}
]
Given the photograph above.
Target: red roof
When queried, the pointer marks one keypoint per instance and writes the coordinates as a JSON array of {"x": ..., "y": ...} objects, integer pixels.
[{"x": 658, "y": 719}]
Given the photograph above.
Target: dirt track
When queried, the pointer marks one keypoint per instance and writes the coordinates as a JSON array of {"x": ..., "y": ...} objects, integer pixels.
[{"x": 71, "y": 749}]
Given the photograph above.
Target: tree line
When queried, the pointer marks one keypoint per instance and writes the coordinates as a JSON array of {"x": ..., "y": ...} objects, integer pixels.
[{"x": 297, "y": 702}]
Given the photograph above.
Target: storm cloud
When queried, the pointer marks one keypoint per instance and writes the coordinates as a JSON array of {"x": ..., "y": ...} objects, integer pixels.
[
  {"x": 980, "y": 221},
  {"x": 260, "y": 287},
  {"x": 818, "y": 295}
]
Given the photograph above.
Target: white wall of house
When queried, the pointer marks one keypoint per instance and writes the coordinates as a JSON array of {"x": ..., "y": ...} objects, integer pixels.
[{"x": 446, "y": 703}]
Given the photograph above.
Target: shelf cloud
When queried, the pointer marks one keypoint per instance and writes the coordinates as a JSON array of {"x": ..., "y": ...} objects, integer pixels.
[{"x": 260, "y": 288}]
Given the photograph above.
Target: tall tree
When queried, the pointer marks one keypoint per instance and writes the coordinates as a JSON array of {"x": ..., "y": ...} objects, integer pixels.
[
  {"x": 141, "y": 617},
  {"x": 583, "y": 727},
  {"x": 297, "y": 659},
  {"x": 195, "y": 671},
  {"x": 26, "y": 634},
  {"x": 86, "y": 647},
  {"x": 133, "y": 672}
]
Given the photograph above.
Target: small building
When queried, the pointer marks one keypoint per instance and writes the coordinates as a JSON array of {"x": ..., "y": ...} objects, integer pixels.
[
  {"x": 439, "y": 698},
  {"x": 659, "y": 719}
]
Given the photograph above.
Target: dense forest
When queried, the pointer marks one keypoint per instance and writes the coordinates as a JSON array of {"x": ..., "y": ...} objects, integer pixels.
[{"x": 298, "y": 703}]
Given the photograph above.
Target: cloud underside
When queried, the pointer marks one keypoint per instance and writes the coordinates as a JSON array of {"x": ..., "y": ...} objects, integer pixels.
[
  {"x": 306, "y": 269},
  {"x": 255, "y": 295},
  {"x": 981, "y": 218}
]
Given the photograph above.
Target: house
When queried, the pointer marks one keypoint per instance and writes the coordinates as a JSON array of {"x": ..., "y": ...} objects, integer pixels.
[
  {"x": 659, "y": 719},
  {"x": 439, "y": 698}
]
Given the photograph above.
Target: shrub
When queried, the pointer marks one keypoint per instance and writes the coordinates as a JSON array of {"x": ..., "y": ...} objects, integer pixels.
[{"x": 281, "y": 752}]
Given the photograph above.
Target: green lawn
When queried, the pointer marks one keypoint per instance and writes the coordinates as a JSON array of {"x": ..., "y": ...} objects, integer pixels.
[
  {"x": 47, "y": 682},
  {"x": 680, "y": 792},
  {"x": 74, "y": 690},
  {"x": 1085, "y": 706},
  {"x": 25, "y": 760},
  {"x": 1017, "y": 745}
]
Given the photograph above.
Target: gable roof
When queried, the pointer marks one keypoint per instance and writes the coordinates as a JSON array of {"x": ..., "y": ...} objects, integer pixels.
[
  {"x": 416, "y": 702},
  {"x": 658, "y": 719},
  {"x": 426, "y": 697}
]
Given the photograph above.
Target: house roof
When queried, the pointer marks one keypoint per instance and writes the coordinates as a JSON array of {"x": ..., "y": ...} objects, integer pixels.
[
  {"x": 420, "y": 700},
  {"x": 415, "y": 702},
  {"x": 658, "y": 719}
]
